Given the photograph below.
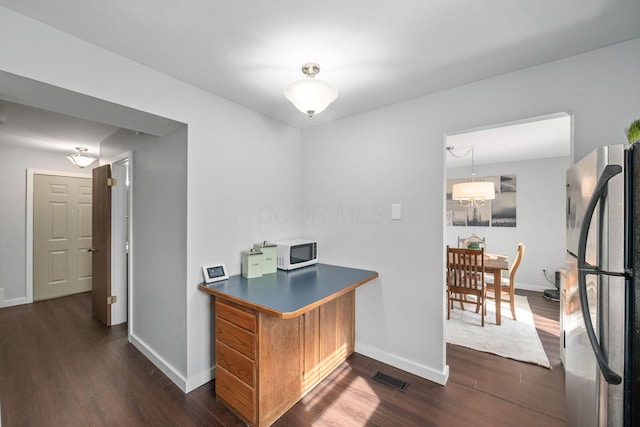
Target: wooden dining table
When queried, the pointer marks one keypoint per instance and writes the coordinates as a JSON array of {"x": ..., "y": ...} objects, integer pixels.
[{"x": 494, "y": 264}]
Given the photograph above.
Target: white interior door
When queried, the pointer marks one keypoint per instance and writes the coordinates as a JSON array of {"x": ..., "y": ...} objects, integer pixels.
[{"x": 61, "y": 236}]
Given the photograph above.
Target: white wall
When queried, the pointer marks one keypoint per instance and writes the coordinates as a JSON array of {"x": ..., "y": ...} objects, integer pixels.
[
  {"x": 159, "y": 248},
  {"x": 396, "y": 155},
  {"x": 238, "y": 162},
  {"x": 540, "y": 218},
  {"x": 14, "y": 162},
  {"x": 124, "y": 140},
  {"x": 241, "y": 166},
  {"x": 353, "y": 170}
]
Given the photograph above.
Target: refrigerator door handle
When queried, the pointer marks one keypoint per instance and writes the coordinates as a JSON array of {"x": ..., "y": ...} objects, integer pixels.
[
  {"x": 590, "y": 269},
  {"x": 584, "y": 269}
]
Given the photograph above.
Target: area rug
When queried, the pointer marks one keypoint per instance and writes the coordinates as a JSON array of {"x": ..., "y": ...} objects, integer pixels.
[{"x": 512, "y": 339}]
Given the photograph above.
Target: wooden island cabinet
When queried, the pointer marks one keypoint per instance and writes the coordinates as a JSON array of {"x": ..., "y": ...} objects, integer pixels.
[{"x": 278, "y": 336}]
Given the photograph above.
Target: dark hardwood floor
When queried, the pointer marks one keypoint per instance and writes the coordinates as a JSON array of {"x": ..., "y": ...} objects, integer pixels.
[{"x": 59, "y": 367}]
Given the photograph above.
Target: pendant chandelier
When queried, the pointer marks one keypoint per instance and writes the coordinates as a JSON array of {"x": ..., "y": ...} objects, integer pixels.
[
  {"x": 310, "y": 95},
  {"x": 81, "y": 158},
  {"x": 472, "y": 193}
]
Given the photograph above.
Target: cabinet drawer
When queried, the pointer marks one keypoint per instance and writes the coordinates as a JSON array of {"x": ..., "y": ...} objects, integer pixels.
[
  {"x": 235, "y": 337},
  {"x": 235, "y": 315},
  {"x": 236, "y": 394},
  {"x": 238, "y": 364}
]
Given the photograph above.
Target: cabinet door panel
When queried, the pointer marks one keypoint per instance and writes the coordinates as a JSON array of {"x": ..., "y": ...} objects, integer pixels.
[
  {"x": 280, "y": 366},
  {"x": 311, "y": 337},
  {"x": 328, "y": 324},
  {"x": 345, "y": 323}
]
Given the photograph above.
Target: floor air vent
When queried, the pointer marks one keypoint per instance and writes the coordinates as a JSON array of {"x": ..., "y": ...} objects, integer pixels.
[{"x": 390, "y": 381}]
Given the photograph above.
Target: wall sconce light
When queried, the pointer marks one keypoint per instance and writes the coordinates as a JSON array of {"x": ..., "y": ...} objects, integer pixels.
[
  {"x": 81, "y": 158},
  {"x": 310, "y": 95}
]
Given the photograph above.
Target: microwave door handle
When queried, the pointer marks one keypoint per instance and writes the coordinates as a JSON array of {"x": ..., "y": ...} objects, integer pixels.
[{"x": 584, "y": 269}]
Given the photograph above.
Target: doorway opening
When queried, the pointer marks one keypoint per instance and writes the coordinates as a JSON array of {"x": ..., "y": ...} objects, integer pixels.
[
  {"x": 121, "y": 205},
  {"x": 527, "y": 161},
  {"x": 52, "y": 215}
]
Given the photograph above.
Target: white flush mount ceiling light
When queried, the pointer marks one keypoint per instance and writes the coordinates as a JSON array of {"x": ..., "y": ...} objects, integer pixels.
[
  {"x": 81, "y": 158},
  {"x": 472, "y": 193},
  {"x": 310, "y": 95}
]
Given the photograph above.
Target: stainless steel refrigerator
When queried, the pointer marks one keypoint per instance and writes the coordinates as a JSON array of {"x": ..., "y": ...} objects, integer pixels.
[{"x": 602, "y": 314}]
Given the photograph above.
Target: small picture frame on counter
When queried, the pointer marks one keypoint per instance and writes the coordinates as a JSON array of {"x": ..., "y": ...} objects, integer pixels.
[{"x": 214, "y": 273}]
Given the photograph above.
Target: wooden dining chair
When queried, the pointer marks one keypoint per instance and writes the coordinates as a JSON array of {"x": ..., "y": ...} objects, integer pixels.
[
  {"x": 465, "y": 276},
  {"x": 508, "y": 284},
  {"x": 472, "y": 242}
]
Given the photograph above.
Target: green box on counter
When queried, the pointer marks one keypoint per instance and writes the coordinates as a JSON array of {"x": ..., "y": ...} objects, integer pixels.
[
  {"x": 252, "y": 264},
  {"x": 269, "y": 256}
]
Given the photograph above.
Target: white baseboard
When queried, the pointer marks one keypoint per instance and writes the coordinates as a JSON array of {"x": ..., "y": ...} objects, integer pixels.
[
  {"x": 12, "y": 302},
  {"x": 186, "y": 385},
  {"x": 177, "y": 378},
  {"x": 531, "y": 287},
  {"x": 200, "y": 379},
  {"x": 439, "y": 377}
]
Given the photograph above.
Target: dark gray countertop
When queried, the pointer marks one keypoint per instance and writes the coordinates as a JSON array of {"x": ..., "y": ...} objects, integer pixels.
[{"x": 288, "y": 294}]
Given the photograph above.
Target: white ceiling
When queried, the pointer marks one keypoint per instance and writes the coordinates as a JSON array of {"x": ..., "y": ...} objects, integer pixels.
[
  {"x": 537, "y": 139},
  {"x": 40, "y": 116},
  {"x": 35, "y": 128},
  {"x": 376, "y": 52}
]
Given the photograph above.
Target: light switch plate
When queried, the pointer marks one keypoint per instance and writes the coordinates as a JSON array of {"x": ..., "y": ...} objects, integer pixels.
[{"x": 396, "y": 211}]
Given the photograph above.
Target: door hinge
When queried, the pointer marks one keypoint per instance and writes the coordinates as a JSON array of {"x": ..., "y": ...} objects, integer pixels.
[
  {"x": 112, "y": 299},
  {"x": 112, "y": 182}
]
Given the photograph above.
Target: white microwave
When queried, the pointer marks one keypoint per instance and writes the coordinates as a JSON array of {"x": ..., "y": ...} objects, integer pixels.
[{"x": 296, "y": 253}]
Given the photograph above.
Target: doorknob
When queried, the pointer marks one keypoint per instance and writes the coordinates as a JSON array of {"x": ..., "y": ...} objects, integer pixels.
[{"x": 91, "y": 249}]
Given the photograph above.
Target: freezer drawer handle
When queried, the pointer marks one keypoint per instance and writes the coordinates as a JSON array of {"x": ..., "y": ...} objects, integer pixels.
[{"x": 584, "y": 269}]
